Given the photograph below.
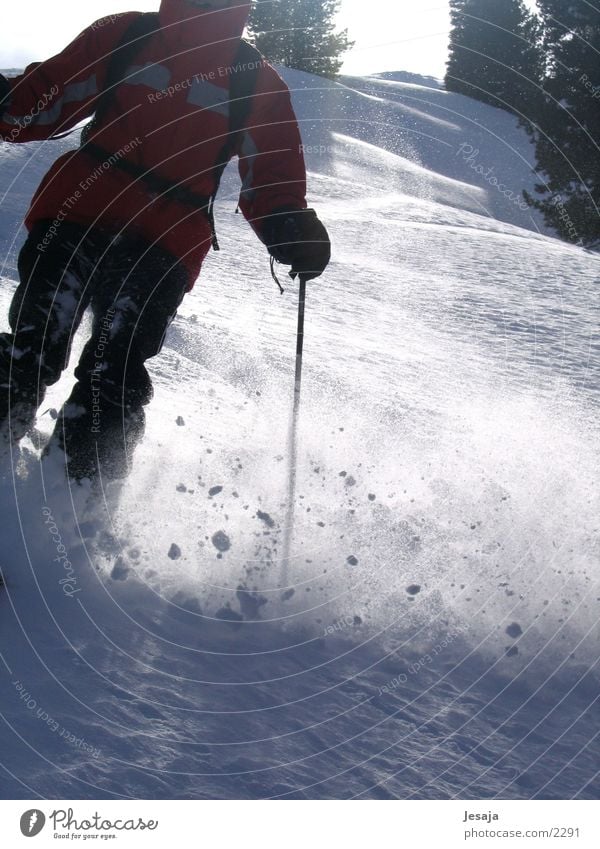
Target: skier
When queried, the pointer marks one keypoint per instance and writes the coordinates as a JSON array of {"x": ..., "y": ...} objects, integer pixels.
[{"x": 123, "y": 223}]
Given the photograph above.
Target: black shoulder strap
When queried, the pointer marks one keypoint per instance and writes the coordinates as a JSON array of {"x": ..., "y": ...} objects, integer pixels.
[
  {"x": 242, "y": 87},
  {"x": 134, "y": 37}
]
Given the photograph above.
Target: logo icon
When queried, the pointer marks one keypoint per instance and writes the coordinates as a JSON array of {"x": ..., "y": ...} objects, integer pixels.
[{"x": 32, "y": 822}]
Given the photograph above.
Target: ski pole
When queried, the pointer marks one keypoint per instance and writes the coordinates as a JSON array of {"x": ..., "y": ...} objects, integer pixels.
[
  {"x": 293, "y": 437},
  {"x": 300, "y": 344}
]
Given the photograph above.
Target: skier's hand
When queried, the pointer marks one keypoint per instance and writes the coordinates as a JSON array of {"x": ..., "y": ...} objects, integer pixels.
[{"x": 296, "y": 237}]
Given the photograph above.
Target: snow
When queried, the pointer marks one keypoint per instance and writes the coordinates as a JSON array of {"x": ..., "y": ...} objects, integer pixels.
[{"x": 435, "y": 632}]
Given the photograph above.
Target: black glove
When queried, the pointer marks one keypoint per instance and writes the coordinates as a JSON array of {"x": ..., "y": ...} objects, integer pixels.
[
  {"x": 4, "y": 92},
  {"x": 296, "y": 237}
]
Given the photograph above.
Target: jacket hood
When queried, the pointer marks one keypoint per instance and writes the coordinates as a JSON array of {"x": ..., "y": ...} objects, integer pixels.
[{"x": 189, "y": 25}]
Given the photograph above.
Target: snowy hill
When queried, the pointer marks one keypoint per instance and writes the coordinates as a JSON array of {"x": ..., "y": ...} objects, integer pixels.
[
  {"x": 435, "y": 632},
  {"x": 446, "y": 148}
]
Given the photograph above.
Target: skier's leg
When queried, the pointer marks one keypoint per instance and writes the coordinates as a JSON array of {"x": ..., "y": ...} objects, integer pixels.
[
  {"x": 45, "y": 312},
  {"x": 138, "y": 296}
]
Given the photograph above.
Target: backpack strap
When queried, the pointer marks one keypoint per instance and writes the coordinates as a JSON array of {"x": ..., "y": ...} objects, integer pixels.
[
  {"x": 242, "y": 86},
  {"x": 135, "y": 36}
]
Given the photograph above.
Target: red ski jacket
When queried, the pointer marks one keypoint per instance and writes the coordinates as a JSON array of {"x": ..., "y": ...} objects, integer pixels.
[{"x": 170, "y": 115}]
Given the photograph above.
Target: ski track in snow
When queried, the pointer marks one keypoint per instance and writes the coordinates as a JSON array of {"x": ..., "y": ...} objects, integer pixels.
[{"x": 437, "y": 633}]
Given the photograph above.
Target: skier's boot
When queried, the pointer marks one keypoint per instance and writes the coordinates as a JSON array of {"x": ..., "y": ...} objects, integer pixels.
[
  {"x": 21, "y": 392},
  {"x": 17, "y": 416},
  {"x": 97, "y": 439}
]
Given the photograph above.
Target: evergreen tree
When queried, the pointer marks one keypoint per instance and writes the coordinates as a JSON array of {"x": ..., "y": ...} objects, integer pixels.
[
  {"x": 300, "y": 34},
  {"x": 567, "y": 127},
  {"x": 495, "y": 53}
]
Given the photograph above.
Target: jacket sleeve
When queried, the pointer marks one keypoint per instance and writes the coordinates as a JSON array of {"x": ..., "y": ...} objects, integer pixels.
[
  {"x": 55, "y": 95},
  {"x": 271, "y": 158}
]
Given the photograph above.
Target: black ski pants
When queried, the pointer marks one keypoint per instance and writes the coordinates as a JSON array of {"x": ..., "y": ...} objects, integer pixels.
[{"x": 133, "y": 291}]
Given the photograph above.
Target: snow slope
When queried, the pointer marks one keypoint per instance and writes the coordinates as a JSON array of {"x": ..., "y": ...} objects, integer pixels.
[{"x": 435, "y": 631}]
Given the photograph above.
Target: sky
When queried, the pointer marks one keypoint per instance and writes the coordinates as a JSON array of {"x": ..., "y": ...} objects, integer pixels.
[{"x": 390, "y": 35}]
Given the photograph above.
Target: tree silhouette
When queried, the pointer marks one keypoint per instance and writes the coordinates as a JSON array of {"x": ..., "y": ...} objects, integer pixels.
[
  {"x": 300, "y": 34},
  {"x": 567, "y": 125},
  {"x": 495, "y": 53}
]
